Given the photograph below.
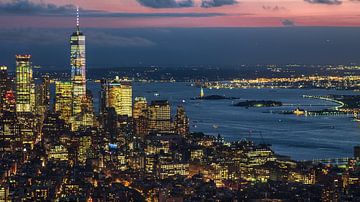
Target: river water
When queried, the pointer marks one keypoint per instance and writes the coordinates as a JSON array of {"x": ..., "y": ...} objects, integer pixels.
[{"x": 300, "y": 137}]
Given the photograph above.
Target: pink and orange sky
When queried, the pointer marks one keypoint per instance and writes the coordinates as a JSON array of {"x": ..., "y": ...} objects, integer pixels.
[{"x": 148, "y": 13}]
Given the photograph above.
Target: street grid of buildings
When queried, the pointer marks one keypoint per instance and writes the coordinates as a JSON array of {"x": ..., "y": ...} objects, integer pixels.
[{"x": 137, "y": 151}]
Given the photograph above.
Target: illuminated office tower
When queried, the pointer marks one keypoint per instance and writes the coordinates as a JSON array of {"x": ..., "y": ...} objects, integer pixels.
[
  {"x": 53, "y": 128},
  {"x": 25, "y": 88},
  {"x": 103, "y": 96},
  {"x": 86, "y": 117},
  {"x": 160, "y": 117},
  {"x": 4, "y": 85},
  {"x": 140, "y": 116},
  {"x": 120, "y": 97},
  {"x": 181, "y": 122},
  {"x": 42, "y": 98},
  {"x": 83, "y": 149},
  {"x": 9, "y": 132},
  {"x": 78, "y": 65},
  {"x": 140, "y": 107},
  {"x": 10, "y": 101},
  {"x": 63, "y": 100},
  {"x": 45, "y": 92},
  {"x": 28, "y": 129}
]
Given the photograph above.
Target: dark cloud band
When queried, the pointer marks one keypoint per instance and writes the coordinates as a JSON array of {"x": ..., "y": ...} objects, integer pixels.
[
  {"x": 217, "y": 3},
  {"x": 185, "y": 3},
  {"x": 325, "y": 2},
  {"x": 166, "y": 3},
  {"x": 28, "y": 8}
]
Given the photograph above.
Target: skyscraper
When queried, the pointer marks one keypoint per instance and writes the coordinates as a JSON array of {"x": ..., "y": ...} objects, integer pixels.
[
  {"x": 160, "y": 117},
  {"x": 9, "y": 132},
  {"x": 10, "y": 101},
  {"x": 42, "y": 98},
  {"x": 63, "y": 100},
  {"x": 86, "y": 117},
  {"x": 25, "y": 88},
  {"x": 120, "y": 97},
  {"x": 4, "y": 85},
  {"x": 181, "y": 122},
  {"x": 140, "y": 116},
  {"x": 78, "y": 65},
  {"x": 103, "y": 96},
  {"x": 140, "y": 107}
]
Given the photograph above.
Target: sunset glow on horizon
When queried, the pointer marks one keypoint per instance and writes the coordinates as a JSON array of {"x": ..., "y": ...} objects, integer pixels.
[{"x": 170, "y": 13}]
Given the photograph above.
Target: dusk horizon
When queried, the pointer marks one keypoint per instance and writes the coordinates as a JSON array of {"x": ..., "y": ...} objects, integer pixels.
[{"x": 180, "y": 100}]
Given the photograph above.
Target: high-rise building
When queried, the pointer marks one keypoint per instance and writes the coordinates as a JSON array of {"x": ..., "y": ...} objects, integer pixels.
[
  {"x": 140, "y": 107},
  {"x": 4, "y": 85},
  {"x": 86, "y": 117},
  {"x": 42, "y": 101},
  {"x": 181, "y": 122},
  {"x": 120, "y": 97},
  {"x": 103, "y": 96},
  {"x": 83, "y": 149},
  {"x": 78, "y": 65},
  {"x": 28, "y": 129},
  {"x": 109, "y": 122},
  {"x": 9, "y": 132},
  {"x": 53, "y": 128},
  {"x": 25, "y": 88},
  {"x": 45, "y": 93},
  {"x": 140, "y": 116},
  {"x": 160, "y": 117},
  {"x": 10, "y": 101},
  {"x": 63, "y": 100}
]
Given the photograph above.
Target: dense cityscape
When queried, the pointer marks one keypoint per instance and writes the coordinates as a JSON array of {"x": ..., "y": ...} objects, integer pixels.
[{"x": 60, "y": 148}]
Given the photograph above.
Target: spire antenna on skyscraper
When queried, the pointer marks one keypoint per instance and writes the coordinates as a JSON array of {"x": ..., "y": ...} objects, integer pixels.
[{"x": 77, "y": 18}]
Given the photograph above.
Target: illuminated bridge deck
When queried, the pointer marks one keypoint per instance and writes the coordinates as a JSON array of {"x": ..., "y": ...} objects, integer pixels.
[{"x": 326, "y": 98}]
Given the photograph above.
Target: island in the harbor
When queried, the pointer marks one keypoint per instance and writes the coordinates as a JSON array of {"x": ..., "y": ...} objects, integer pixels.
[
  {"x": 258, "y": 103},
  {"x": 212, "y": 97}
]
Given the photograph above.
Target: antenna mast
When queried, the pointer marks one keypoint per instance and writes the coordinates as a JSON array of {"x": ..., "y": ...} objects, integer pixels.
[{"x": 77, "y": 18}]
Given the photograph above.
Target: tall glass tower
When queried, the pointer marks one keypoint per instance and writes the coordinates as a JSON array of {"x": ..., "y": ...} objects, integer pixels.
[
  {"x": 78, "y": 65},
  {"x": 25, "y": 89}
]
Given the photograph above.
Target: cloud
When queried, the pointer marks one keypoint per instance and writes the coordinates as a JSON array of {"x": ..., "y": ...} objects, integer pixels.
[
  {"x": 217, "y": 3},
  {"x": 326, "y": 2},
  {"x": 26, "y": 7},
  {"x": 139, "y": 15},
  {"x": 274, "y": 8},
  {"x": 166, "y": 3},
  {"x": 106, "y": 40},
  {"x": 185, "y": 3},
  {"x": 31, "y": 36},
  {"x": 288, "y": 23},
  {"x": 26, "y": 36}
]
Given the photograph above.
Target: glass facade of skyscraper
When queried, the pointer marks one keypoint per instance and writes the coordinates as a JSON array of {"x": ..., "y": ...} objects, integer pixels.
[
  {"x": 63, "y": 100},
  {"x": 25, "y": 89},
  {"x": 120, "y": 97},
  {"x": 78, "y": 64}
]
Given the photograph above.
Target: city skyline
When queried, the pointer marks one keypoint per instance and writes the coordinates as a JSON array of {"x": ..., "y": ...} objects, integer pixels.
[
  {"x": 135, "y": 33},
  {"x": 214, "y": 131}
]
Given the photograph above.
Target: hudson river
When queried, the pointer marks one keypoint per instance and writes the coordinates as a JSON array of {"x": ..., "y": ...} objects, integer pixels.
[{"x": 300, "y": 137}]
